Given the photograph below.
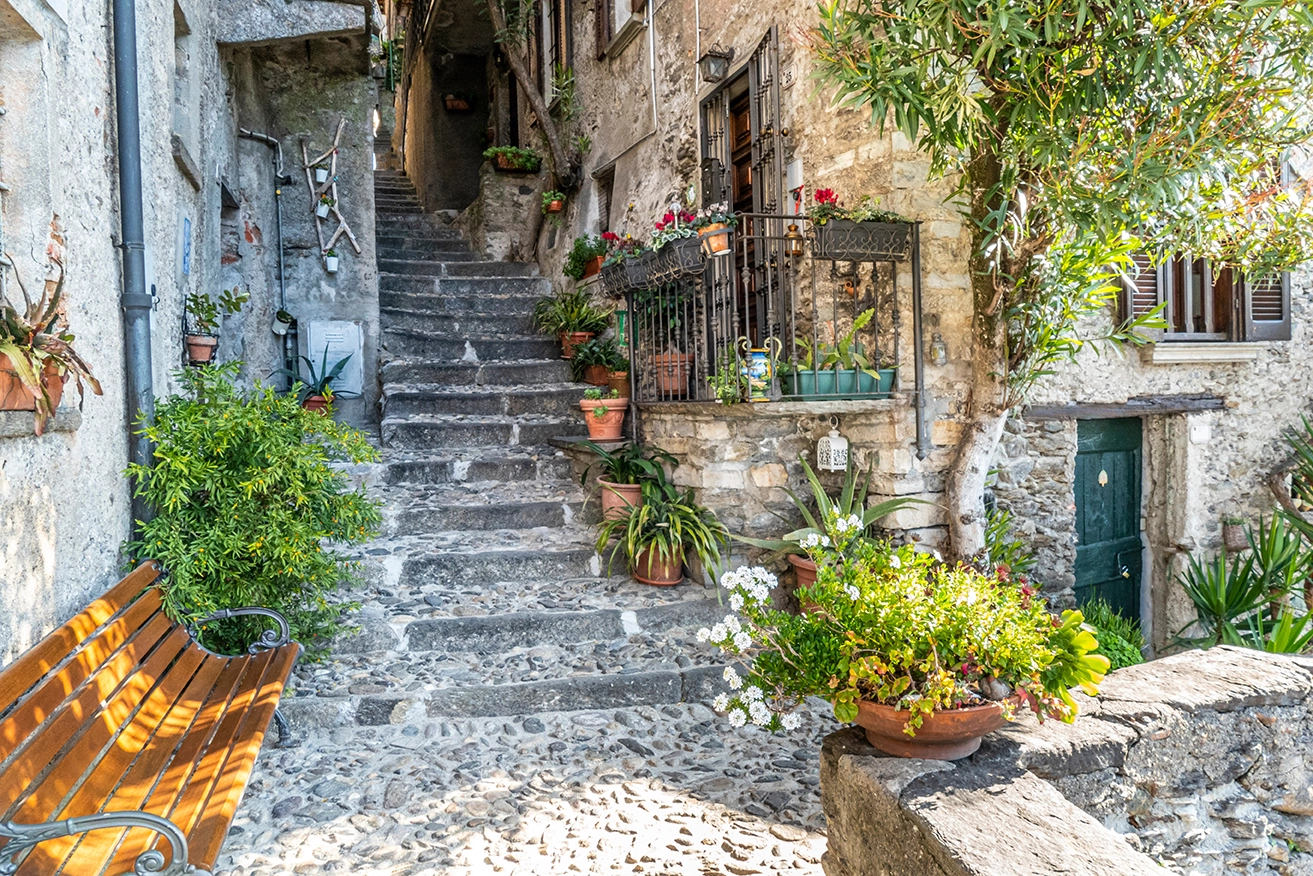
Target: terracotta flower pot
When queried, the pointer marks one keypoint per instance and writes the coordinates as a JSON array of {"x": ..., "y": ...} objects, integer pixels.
[
  {"x": 618, "y": 499},
  {"x": 649, "y": 568},
  {"x": 804, "y": 570},
  {"x": 950, "y": 734},
  {"x": 316, "y": 403},
  {"x": 555, "y": 206},
  {"x": 593, "y": 266},
  {"x": 715, "y": 238},
  {"x": 14, "y": 396},
  {"x": 200, "y": 349},
  {"x": 570, "y": 340},
  {"x": 619, "y": 381},
  {"x": 672, "y": 373},
  {"x": 597, "y": 375},
  {"x": 609, "y": 426}
]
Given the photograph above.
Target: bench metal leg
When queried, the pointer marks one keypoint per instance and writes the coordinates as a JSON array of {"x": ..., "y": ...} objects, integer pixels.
[{"x": 285, "y": 739}]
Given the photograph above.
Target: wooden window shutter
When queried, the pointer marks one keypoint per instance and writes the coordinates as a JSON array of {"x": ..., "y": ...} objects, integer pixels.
[
  {"x": 1267, "y": 307},
  {"x": 1142, "y": 292},
  {"x": 602, "y": 25}
]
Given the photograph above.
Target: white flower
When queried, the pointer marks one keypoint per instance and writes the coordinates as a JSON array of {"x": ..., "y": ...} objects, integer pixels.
[
  {"x": 732, "y": 623},
  {"x": 736, "y": 601},
  {"x": 733, "y": 678},
  {"x": 760, "y": 714},
  {"x": 737, "y": 718},
  {"x": 791, "y": 721},
  {"x": 751, "y": 694},
  {"x": 811, "y": 541},
  {"x": 853, "y": 592},
  {"x": 894, "y": 562},
  {"x": 825, "y": 541},
  {"x": 719, "y": 633},
  {"x": 742, "y": 641},
  {"x": 704, "y": 634},
  {"x": 721, "y": 702}
]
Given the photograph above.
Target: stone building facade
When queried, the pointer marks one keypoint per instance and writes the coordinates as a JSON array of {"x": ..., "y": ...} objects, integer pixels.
[
  {"x": 1208, "y": 405},
  {"x": 206, "y": 71}
]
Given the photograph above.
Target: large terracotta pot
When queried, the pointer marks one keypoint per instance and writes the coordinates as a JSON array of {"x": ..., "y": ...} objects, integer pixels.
[
  {"x": 16, "y": 397},
  {"x": 803, "y": 569},
  {"x": 618, "y": 499},
  {"x": 950, "y": 734},
  {"x": 593, "y": 266},
  {"x": 200, "y": 349},
  {"x": 715, "y": 238},
  {"x": 649, "y": 568},
  {"x": 672, "y": 373},
  {"x": 609, "y": 426},
  {"x": 619, "y": 381},
  {"x": 570, "y": 340},
  {"x": 597, "y": 375},
  {"x": 316, "y": 403}
]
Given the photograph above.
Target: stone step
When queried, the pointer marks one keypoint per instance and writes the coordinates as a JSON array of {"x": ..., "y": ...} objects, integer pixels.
[
  {"x": 387, "y": 211},
  {"x": 556, "y": 400},
  {"x": 407, "y": 343},
  {"x": 532, "y": 372},
  {"x": 457, "y": 569},
  {"x": 426, "y": 268},
  {"x": 418, "y": 519},
  {"x": 389, "y": 189},
  {"x": 440, "y": 240},
  {"x": 453, "y": 324},
  {"x": 549, "y": 465},
  {"x": 439, "y": 432},
  {"x": 447, "y": 255},
  {"x": 473, "y": 289},
  {"x": 404, "y": 223}
]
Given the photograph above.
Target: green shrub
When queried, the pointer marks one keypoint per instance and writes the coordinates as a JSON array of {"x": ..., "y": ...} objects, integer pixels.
[
  {"x": 1120, "y": 640},
  {"x": 584, "y": 250},
  {"x": 247, "y": 504}
]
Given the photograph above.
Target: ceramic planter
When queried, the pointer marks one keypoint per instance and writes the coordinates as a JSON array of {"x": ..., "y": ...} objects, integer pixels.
[
  {"x": 715, "y": 238},
  {"x": 649, "y": 568},
  {"x": 16, "y": 397},
  {"x": 555, "y": 206},
  {"x": 200, "y": 348},
  {"x": 949, "y": 734},
  {"x": 570, "y": 340},
  {"x": 322, "y": 210},
  {"x": 330, "y": 264},
  {"x": 609, "y": 426},
  {"x": 593, "y": 266},
  {"x": 597, "y": 375},
  {"x": 671, "y": 371},
  {"x": 321, "y": 175},
  {"x": 619, "y": 381},
  {"x": 618, "y": 499},
  {"x": 836, "y": 383},
  {"x": 316, "y": 403}
]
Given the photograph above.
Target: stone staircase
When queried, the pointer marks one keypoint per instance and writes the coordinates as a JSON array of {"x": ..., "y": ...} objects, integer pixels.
[{"x": 486, "y": 596}]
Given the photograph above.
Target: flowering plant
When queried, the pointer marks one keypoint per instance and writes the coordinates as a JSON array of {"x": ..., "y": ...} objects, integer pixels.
[
  {"x": 676, "y": 223},
  {"x": 716, "y": 214},
  {"x": 618, "y": 247},
  {"x": 826, "y": 206},
  {"x": 892, "y": 626}
]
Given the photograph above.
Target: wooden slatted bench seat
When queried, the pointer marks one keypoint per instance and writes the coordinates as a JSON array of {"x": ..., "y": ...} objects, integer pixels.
[{"x": 124, "y": 745}]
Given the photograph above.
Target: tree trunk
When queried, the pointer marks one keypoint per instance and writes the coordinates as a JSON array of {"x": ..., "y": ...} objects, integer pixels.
[
  {"x": 560, "y": 162},
  {"x": 987, "y": 406}
]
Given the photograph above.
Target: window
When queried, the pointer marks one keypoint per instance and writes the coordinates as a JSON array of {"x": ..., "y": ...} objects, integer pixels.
[
  {"x": 617, "y": 19},
  {"x": 1201, "y": 304},
  {"x": 553, "y": 44}
]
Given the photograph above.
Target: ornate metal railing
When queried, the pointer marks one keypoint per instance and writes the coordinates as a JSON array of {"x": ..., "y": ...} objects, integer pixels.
[{"x": 785, "y": 311}]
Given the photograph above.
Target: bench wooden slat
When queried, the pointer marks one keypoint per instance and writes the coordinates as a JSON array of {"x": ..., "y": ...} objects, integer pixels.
[
  {"x": 161, "y": 797},
  {"x": 207, "y": 837},
  {"x": 45, "y": 799},
  {"x": 46, "y": 654},
  {"x": 45, "y": 699},
  {"x": 43, "y": 749}
]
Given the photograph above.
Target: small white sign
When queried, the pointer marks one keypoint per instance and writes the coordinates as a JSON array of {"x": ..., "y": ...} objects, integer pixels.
[{"x": 340, "y": 339}]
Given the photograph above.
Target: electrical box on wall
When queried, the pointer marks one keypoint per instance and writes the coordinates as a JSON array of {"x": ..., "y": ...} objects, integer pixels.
[{"x": 340, "y": 339}]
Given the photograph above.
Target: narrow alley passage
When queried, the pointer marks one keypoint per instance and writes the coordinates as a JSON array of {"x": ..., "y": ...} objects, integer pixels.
[{"x": 509, "y": 707}]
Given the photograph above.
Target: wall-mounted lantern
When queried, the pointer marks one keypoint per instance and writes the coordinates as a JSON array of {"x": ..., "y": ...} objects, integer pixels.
[
  {"x": 938, "y": 350},
  {"x": 714, "y": 65},
  {"x": 832, "y": 450},
  {"x": 793, "y": 242}
]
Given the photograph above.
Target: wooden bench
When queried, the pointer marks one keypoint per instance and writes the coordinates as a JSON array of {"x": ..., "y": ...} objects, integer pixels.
[{"x": 125, "y": 746}]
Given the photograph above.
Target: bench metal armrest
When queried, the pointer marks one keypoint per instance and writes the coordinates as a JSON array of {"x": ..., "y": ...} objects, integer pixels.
[
  {"x": 268, "y": 639},
  {"x": 24, "y": 837}
]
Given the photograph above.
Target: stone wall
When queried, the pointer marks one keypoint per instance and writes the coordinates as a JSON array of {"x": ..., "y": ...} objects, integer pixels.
[{"x": 1194, "y": 763}]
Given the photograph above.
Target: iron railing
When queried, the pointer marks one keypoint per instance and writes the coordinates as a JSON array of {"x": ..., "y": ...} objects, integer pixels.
[{"x": 786, "y": 312}]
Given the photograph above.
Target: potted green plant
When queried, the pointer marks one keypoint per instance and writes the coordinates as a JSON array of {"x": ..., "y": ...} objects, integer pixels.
[
  {"x": 656, "y": 537},
  {"x": 849, "y": 504},
  {"x": 838, "y": 369},
  {"x": 330, "y": 261},
  {"x": 624, "y": 473},
  {"x": 604, "y": 413},
  {"x": 37, "y": 357},
  {"x": 927, "y": 658},
  {"x": 204, "y": 317},
  {"x": 594, "y": 360},
  {"x": 513, "y": 159},
  {"x": 585, "y": 257},
  {"x": 314, "y": 388},
  {"x": 283, "y": 322},
  {"x": 570, "y": 316},
  {"x": 618, "y": 379},
  {"x": 862, "y": 234},
  {"x": 325, "y": 204},
  {"x": 553, "y": 202},
  {"x": 321, "y": 174}
]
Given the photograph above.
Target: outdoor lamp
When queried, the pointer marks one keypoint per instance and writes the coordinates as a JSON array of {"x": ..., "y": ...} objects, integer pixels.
[
  {"x": 715, "y": 63},
  {"x": 938, "y": 350},
  {"x": 832, "y": 450},
  {"x": 793, "y": 242}
]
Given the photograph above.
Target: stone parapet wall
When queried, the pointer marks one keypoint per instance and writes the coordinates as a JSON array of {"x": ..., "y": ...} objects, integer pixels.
[{"x": 1194, "y": 763}]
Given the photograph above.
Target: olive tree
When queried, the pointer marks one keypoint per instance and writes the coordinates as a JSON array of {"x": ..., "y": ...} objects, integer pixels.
[{"x": 1078, "y": 133}]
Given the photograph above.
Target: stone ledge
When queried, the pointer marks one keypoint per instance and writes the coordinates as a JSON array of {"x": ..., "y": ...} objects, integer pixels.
[
  {"x": 747, "y": 410},
  {"x": 1188, "y": 352},
  {"x": 19, "y": 424}
]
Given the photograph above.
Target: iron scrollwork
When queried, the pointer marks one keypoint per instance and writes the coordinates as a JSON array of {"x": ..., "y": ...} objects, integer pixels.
[
  {"x": 267, "y": 641},
  {"x": 25, "y": 837}
]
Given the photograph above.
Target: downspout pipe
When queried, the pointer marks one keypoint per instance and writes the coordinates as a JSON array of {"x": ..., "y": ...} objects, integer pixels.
[
  {"x": 136, "y": 302},
  {"x": 280, "y": 179}
]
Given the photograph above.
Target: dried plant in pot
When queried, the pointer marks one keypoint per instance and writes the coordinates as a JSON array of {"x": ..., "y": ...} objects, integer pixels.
[
  {"x": 924, "y": 656},
  {"x": 37, "y": 356},
  {"x": 657, "y": 537}
]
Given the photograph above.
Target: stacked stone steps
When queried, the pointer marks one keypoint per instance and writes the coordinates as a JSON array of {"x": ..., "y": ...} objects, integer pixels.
[
  {"x": 519, "y": 321},
  {"x": 523, "y": 374},
  {"x": 445, "y": 431},
  {"x": 431, "y": 509},
  {"x": 513, "y": 466},
  {"x": 547, "y": 398}
]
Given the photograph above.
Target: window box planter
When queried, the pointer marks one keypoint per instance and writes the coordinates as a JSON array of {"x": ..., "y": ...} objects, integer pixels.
[
  {"x": 836, "y": 383},
  {"x": 503, "y": 164},
  {"x": 680, "y": 259},
  {"x": 638, "y": 270},
  {"x": 848, "y": 241},
  {"x": 615, "y": 279}
]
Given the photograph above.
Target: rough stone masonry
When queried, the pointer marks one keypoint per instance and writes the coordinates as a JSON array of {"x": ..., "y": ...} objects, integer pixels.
[{"x": 1195, "y": 763}]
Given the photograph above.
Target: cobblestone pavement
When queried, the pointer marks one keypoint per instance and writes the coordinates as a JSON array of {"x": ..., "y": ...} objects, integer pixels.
[{"x": 672, "y": 790}]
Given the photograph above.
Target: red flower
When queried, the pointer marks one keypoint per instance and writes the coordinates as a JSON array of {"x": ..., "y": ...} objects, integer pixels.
[
  {"x": 825, "y": 196},
  {"x": 610, "y": 236}
]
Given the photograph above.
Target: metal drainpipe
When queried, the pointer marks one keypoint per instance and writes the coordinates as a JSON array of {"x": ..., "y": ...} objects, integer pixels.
[
  {"x": 280, "y": 179},
  {"x": 137, "y": 304}
]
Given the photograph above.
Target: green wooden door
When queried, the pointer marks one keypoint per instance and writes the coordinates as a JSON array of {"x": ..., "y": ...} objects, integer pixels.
[{"x": 1108, "y": 513}]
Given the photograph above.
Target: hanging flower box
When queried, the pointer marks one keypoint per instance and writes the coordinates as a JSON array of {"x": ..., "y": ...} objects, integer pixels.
[
  {"x": 680, "y": 259},
  {"x": 615, "y": 279},
  {"x": 846, "y": 240},
  {"x": 638, "y": 270}
]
